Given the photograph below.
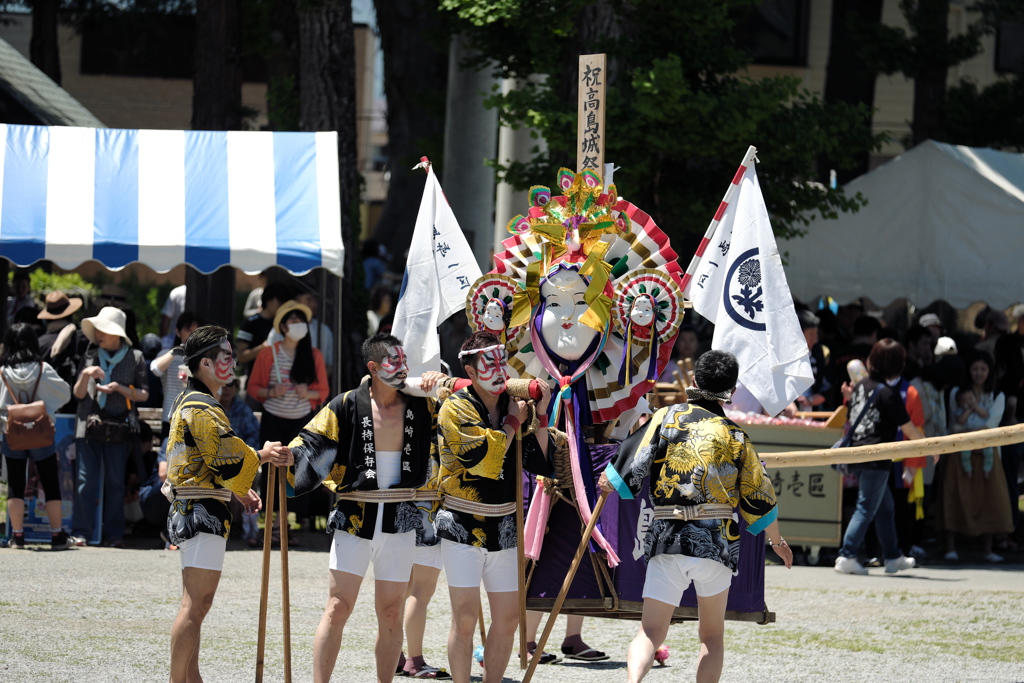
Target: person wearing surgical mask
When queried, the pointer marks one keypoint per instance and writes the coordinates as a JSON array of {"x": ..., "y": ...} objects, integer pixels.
[{"x": 290, "y": 379}]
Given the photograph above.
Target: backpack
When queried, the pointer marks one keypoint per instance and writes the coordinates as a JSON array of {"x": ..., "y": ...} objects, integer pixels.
[{"x": 28, "y": 424}]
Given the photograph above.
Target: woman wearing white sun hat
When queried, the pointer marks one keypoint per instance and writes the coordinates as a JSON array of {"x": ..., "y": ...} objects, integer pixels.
[{"x": 111, "y": 381}]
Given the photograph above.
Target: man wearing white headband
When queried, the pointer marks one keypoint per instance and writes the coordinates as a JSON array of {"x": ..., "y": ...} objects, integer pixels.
[
  {"x": 476, "y": 523},
  {"x": 207, "y": 466},
  {"x": 374, "y": 447}
]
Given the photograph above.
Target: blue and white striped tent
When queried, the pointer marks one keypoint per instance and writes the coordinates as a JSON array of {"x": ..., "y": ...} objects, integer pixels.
[{"x": 162, "y": 198}]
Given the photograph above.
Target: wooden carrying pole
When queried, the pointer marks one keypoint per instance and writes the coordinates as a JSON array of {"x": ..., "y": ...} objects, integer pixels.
[
  {"x": 285, "y": 598},
  {"x": 520, "y": 549},
  {"x": 261, "y": 637},
  {"x": 935, "y": 445},
  {"x": 556, "y": 608}
]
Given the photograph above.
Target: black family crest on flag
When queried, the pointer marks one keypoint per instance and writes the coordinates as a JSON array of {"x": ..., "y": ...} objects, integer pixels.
[{"x": 743, "y": 293}]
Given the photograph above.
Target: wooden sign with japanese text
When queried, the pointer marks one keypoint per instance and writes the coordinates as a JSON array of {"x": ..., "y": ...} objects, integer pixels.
[
  {"x": 590, "y": 132},
  {"x": 810, "y": 498}
]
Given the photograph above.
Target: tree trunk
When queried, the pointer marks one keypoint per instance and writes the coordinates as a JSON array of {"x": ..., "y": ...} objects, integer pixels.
[
  {"x": 328, "y": 102},
  {"x": 216, "y": 105},
  {"x": 415, "y": 81},
  {"x": 847, "y": 79},
  {"x": 930, "y": 75},
  {"x": 43, "y": 49},
  {"x": 283, "y": 66}
]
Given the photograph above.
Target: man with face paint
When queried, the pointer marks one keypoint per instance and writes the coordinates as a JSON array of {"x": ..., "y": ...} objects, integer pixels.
[
  {"x": 374, "y": 447},
  {"x": 207, "y": 465},
  {"x": 476, "y": 523}
]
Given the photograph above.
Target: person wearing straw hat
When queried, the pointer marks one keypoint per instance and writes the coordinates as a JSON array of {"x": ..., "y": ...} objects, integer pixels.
[
  {"x": 63, "y": 344},
  {"x": 702, "y": 470},
  {"x": 112, "y": 380},
  {"x": 207, "y": 466}
]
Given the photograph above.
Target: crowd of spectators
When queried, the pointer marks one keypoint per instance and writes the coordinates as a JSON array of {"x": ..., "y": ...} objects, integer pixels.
[{"x": 953, "y": 380}]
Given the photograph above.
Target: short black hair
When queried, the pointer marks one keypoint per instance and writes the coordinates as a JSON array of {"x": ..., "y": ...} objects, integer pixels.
[
  {"x": 916, "y": 333},
  {"x": 716, "y": 371},
  {"x": 188, "y": 318},
  {"x": 276, "y": 290},
  {"x": 866, "y": 325},
  {"x": 376, "y": 347},
  {"x": 807, "y": 319},
  {"x": 207, "y": 337},
  {"x": 477, "y": 340}
]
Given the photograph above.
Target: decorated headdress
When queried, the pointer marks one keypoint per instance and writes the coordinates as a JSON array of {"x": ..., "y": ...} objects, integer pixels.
[{"x": 621, "y": 255}]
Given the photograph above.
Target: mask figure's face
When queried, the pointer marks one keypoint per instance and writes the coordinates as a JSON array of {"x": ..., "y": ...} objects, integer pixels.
[
  {"x": 560, "y": 326},
  {"x": 494, "y": 316},
  {"x": 393, "y": 369},
  {"x": 642, "y": 314},
  {"x": 224, "y": 366},
  {"x": 491, "y": 373}
]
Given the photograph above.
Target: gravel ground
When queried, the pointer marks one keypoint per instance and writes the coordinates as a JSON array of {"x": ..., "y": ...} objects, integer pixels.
[{"x": 104, "y": 615}]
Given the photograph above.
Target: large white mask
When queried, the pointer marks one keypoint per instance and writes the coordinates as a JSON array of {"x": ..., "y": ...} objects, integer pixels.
[{"x": 560, "y": 326}]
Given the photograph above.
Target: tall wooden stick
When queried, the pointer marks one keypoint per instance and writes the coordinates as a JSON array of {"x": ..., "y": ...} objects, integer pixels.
[
  {"x": 556, "y": 608},
  {"x": 285, "y": 597},
  {"x": 935, "y": 445},
  {"x": 520, "y": 551},
  {"x": 261, "y": 637}
]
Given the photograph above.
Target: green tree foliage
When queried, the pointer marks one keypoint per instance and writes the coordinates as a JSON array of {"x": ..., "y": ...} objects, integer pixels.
[{"x": 681, "y": 111}]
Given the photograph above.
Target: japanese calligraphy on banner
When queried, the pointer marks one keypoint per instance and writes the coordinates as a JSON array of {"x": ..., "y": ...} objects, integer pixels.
[
  {"x": 810, "y": 498},
  {"x": 590, "y": 132}
]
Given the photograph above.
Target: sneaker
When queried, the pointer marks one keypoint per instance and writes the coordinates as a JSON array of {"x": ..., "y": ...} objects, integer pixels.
[
  {"x": 952, "y": 556},
  {"x": 17, "y": 542},
  {"x": 61, "y": 541},
  {"x": 992, "y": 558},
  {"x": 78, "y": 540},
  {"x": 918, "y": 553},
  {"x": 849, "y": 565},
  {"x": 902, "y": 562}
]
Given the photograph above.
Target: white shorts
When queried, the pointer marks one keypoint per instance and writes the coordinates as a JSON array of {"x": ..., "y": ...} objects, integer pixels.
[
  {"x": 668, "y": 576},
  {"x": 391, "y": 555},
  {"x": 466, "y": 566},
  {"x": 428, "y": 555},
  {"x": 203, "y": 551}
]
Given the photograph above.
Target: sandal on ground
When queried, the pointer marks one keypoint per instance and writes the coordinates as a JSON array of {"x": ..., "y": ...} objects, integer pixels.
[
  {"x": 587, "y": 655},
  {"x": 426, "y": 671},
  {"x": 545, "y": 657}
]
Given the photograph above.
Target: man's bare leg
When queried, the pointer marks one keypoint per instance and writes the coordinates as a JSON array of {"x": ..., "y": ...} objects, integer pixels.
[
  {"x": 341, "y": 600},
  {"x": 421, "y": 589},
  {"x": 504, "y": 622},
  {"x": 654, "y": 623},
  {"x": 388, "y": 599},
  {"x": 198, "y": 589},
  {"x": 711, "y": 628},
  {"x": 465, "y": 605}
]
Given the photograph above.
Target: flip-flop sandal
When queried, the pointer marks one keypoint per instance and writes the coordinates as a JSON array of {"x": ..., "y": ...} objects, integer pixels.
[
  {"x": 427, "y": 671},
  {"x": 548, "y": 658},
  {"x": 588, "y": 655}
]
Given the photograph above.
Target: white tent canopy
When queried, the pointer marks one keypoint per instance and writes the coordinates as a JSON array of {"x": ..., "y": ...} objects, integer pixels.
[
  {"x": 942, "y": 222},
  {"x": 162, "y": 197}
]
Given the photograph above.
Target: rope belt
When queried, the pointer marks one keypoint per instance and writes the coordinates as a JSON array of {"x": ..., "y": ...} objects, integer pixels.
[
  {"x": 688, "y": 513},
  {"x": 194, "y": 492},
  {"x": 471, "y": 507},
  {"x": 381, "y": 496}
]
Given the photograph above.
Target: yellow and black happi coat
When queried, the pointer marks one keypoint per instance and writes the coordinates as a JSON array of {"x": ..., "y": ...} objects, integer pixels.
[
  {"x": 203, "y": 452},
  {"x": 337, "y": 449},
  {"x": 477, "y": 465},
  {"x": 694, "y": 456}
]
